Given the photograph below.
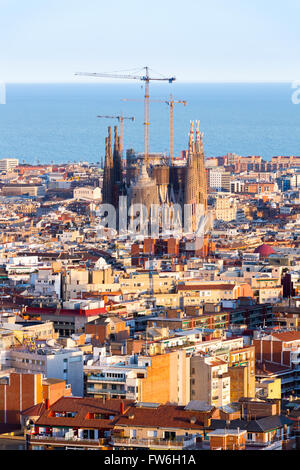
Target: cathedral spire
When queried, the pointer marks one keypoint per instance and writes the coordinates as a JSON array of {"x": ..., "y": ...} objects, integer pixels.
[
  {"x": 117, "y": 157},
  {"x": 191, "y": 139},
  {"x": 201, "y": 142},
  {"x": 197, "y": 136},
  {"x": 108, "y": 170}
]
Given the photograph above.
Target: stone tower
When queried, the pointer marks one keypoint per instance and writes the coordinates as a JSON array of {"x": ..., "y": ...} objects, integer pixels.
[
  {"x": 108, "y": 175},
  {"x": 112, "y": 177},
  {"x": 195, "y": 177}
]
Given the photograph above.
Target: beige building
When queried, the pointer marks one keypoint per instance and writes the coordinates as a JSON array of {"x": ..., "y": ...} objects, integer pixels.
[
  {"x": 82, "y": 280},
  {"x": 24, "y": 333},
  {"x": 267, "y": 290},
  {"x": 210, "y": 380},
  {"x": 17, "y": 189},
  {"x": 242, "y": 373},
  {"x": 225, "y": 208},
  {"x": 87, "y": 193},
  {"x": 141, "y": 282}
]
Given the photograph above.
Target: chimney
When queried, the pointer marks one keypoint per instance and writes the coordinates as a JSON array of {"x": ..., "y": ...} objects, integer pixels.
[
  {"x": 122, "y": 407},
  {"x": 47, "y": 404}
]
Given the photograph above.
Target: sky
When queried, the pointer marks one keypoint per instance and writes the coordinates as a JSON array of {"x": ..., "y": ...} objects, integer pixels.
[{"x": 195, "y": 41}]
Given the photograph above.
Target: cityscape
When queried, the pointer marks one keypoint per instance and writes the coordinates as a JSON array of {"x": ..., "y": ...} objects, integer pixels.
[{"x": 150, "y": 300}]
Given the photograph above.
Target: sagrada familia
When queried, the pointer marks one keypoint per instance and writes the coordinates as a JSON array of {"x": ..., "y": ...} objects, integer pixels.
[{"x": 154, "y": 179}]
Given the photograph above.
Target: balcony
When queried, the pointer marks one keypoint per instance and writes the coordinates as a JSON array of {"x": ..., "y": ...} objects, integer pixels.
[
  {"x": 155, "y": 443},
  {"x": 95, "y": 378},
  {"x": 268, "y": 445},
  {"x": 63, "y": 441},
  {"x": 287, "y": 380},
  {"x": 99, "y": 391}
]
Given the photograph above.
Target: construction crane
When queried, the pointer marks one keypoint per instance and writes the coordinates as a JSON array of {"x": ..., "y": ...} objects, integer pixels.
[
  {"x": 146, "y": 78},
  {"x": 121, "y": 121},
  {"x": 170, "y": 103}
]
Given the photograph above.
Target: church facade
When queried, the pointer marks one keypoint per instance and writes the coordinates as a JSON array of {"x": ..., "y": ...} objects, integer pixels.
[{"x": 155, "y": 181}]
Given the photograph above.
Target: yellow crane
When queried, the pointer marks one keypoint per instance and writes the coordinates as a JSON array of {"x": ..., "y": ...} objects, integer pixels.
[{"x": 145, "y": 78}]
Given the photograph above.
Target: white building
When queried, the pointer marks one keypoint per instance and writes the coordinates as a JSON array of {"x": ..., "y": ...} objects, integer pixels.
[
  {"x": 87, "y": 193},
  {"x": 8, "y": 164},
  {"x": 210, "y": 381},
  {"x": 219, "y": 179},
  {"x": 48, "y": 283},
  {"x": 57, "y": 363}
]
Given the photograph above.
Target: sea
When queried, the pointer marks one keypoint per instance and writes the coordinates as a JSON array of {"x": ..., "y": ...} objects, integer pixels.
[{"x": 58, "y": 123}]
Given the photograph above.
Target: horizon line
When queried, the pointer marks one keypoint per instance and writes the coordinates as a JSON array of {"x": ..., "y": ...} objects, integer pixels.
[{"x": 118, "y": 81}]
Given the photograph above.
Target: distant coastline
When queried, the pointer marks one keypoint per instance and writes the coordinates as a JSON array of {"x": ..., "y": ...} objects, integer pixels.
[{"x": 57, "y": 122}]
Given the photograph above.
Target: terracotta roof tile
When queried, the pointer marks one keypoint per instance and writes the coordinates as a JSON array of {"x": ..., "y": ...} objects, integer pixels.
[
  {"x": 82, "y": 406},
  {"x": 287, "y": 336},
  {"x": 167, "y": 416}
]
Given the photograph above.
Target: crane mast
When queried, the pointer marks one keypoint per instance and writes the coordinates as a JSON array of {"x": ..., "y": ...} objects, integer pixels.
[
  {"x": 146, "y": 78},
  {"x": 170, "y": 103},
  {"x": 121, "y": 120}
]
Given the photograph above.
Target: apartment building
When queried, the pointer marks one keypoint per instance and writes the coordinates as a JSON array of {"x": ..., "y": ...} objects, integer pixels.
[
  {"x": 241, "y": 370},
  {"x": 19, "y": 189},
  {"x": 7, "y": 164},
  {"x": 79, "y": 280},
  {"x": 14, "y": 333},
  {"x": 73, "y": 423},
  {"x": 219, "y": 179},
  {"x": 69, "y": 319},
  {"x": 107, "y": 329},
  {"x": 142, "y": 282},
  {"x": 215, "y": 292},
  {"x": 48, "y": 283},
  {"x": 210, "y": 380},
  {"x": 23, "y": 391},
  {"x": 267, "y": 289},
  {"x": 225, "y": 208},
  {"x": 60, "y": 363},
  {"x": 278, "y": 356},
  {"x": 18, "y": 391},
  {"x": 160, "y": 427},
  {"x": 162, "y": 378},
  {"x": 87, "y": 193}
]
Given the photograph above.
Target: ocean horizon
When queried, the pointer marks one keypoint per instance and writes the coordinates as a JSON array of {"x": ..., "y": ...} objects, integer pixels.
[{"x": 57, "y": 122}]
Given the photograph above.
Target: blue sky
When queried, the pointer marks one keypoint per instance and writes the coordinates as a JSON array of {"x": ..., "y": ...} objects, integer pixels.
[{"x": 212, "y": 40}]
